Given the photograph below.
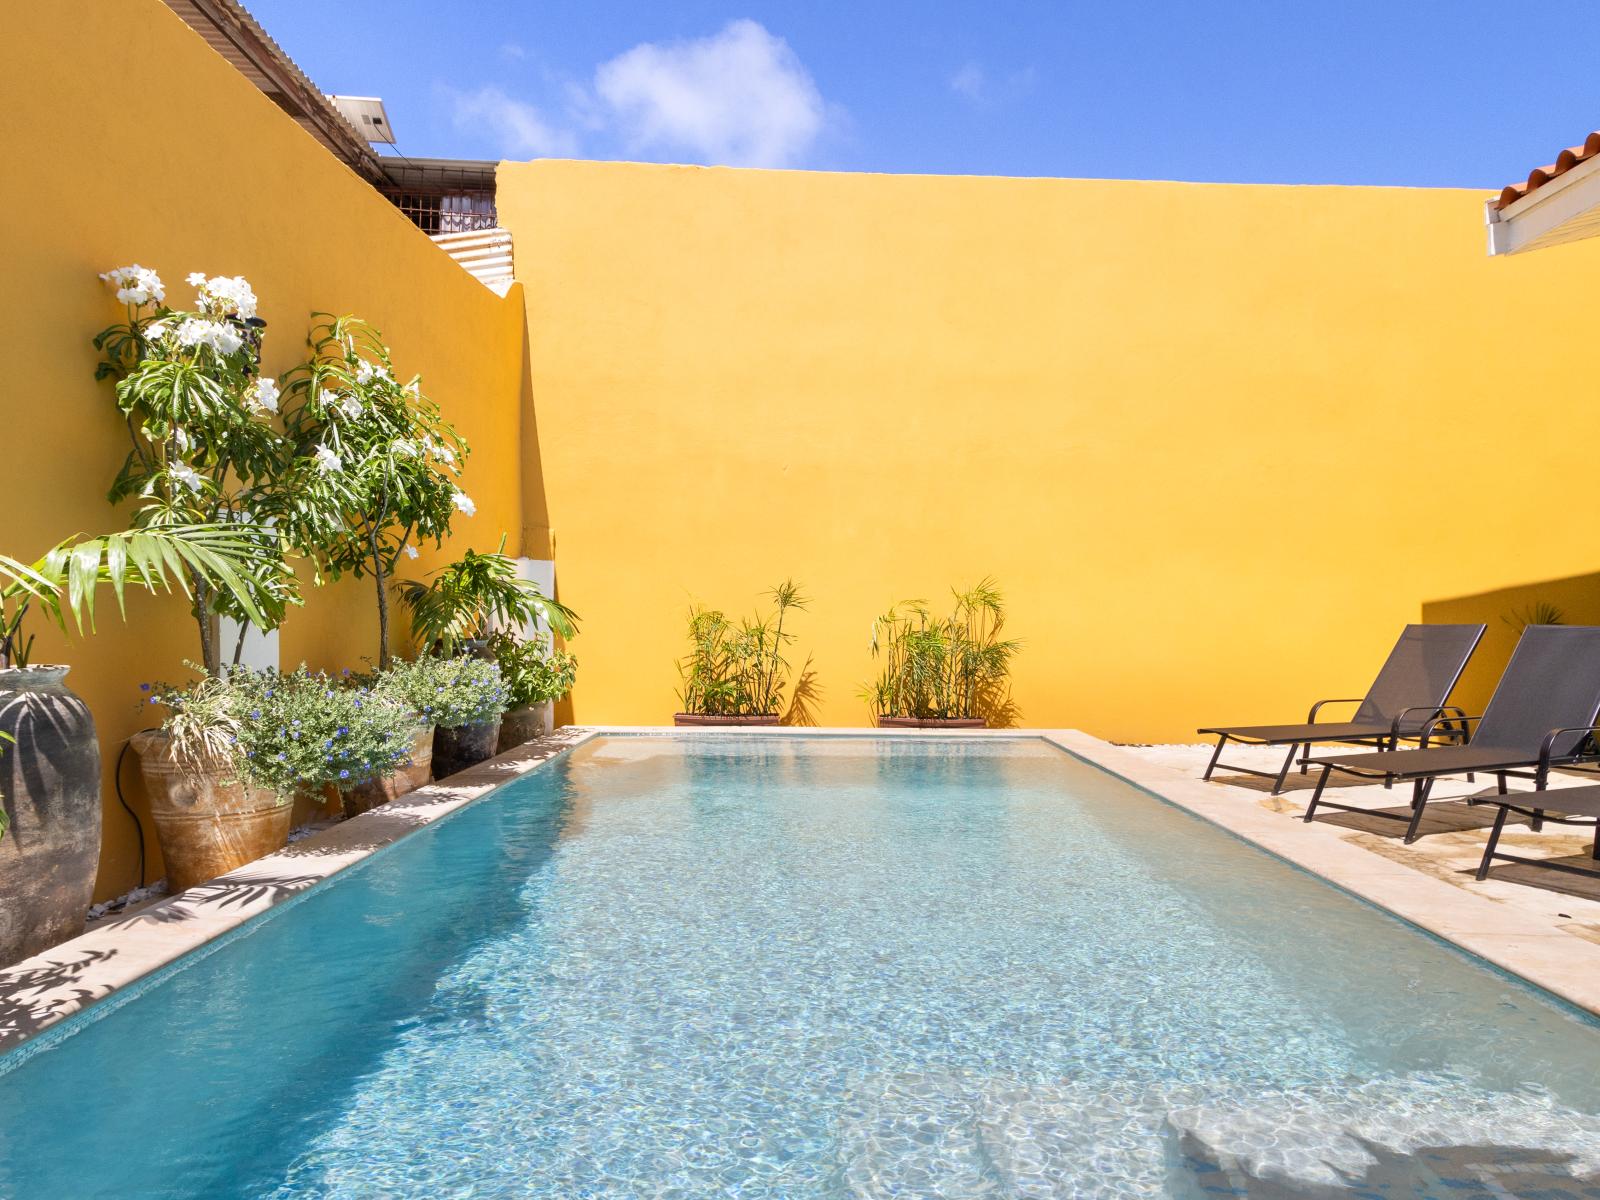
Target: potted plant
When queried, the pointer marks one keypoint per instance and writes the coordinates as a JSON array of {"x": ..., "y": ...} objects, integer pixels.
[
  {"x": 51, "y": 792},
  {"x": 943, "y": 672},
  {"x": 413, "y": 688},
  {"x": 463, "y": 697},
  {"x": 386, "y": 464},
  {"x": 536, "y": 676},
  {"x": 234, "y": 751},
  {"x": 461, "y": 604},
  {"x": 734, "y": 674}
]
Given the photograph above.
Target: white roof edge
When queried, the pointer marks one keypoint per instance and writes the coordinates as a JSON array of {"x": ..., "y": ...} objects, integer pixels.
[{"x": 1537, "y": 219}]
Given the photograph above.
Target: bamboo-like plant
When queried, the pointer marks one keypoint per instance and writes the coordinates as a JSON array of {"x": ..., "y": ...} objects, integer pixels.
[
  {"x": 739, "y": 669},
  {"x": 156, "y": 558},
  {"x": 383, "y": 463},
  {"x": 467, "y": 599},
  {"x": 942, "y": 667}
]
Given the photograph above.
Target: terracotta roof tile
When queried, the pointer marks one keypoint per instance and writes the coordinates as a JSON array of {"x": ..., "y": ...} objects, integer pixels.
[{"x": 1539, "y": 176}]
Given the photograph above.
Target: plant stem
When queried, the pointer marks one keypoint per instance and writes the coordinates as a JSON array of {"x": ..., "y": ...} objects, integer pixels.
[{"x": 383, "y": 596}]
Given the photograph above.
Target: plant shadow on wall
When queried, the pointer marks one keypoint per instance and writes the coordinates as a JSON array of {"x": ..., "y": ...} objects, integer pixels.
[
  {"x": 735, "y": 672},
  {"x": 950, "y": 671}
]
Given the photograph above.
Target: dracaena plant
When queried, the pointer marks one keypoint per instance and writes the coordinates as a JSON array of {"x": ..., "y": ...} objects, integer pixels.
[
  {"x": 943, "y": 666},
  {"x": 203, "y": 451},
  {"x": 738, "y": 668},
  {"x": 469, "y": 598},
  {"x": 383, "y": 465},
  {"x": 158, "y": 558}
]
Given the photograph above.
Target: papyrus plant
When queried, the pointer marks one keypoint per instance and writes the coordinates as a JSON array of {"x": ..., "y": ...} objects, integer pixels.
[
  {"x": 738, "y": 669},
  {"x": 203, "y": 452},
  {"x": 385, "y": 464},
  {"x": 942, "y": 667}
]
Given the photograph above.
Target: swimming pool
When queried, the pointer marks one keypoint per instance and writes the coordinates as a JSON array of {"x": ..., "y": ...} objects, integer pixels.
[{"x": 811, "y": 967}]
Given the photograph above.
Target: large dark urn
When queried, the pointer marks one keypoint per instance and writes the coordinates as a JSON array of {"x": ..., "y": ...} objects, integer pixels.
[
  {"x": 50, "y": 782},
  {"x": 455, "y": 748}
]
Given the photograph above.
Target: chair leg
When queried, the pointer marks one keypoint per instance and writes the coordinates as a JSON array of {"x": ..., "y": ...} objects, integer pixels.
[
  {"x": 1277, "y": 784},
  {"x": 1595, "y": 853},
  {"x": 1222, "y": 740},
  {"x": 1500, "y": 776},
  {"x": 1322, "y": 782},
  {"x": 1537, "y": 823},
  {"x": 1419, "y": 801},
  {"x": 1494, "y": 840}
]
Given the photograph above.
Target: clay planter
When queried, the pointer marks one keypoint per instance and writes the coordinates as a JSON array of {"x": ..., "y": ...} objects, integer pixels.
[
  {"x": 455, "y": 748},
  {"x": 524, "y": 724},
  {"x": 931, "y": 723},
  {"x": 702, "y": 720},
  {"x": 208, "y": 822},
  {"x": 50, "y": 784},
  {"x": 397, "y": 783}
]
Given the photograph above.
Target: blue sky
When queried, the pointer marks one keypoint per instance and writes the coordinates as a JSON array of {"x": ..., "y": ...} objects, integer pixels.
[{"x": 1407, "y": 92}]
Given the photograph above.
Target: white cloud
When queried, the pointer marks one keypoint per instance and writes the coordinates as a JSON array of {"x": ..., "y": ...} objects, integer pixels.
[
  {"x": 514, "y": 126},
  {"x": 740, "y": 97},
  {"x": 973, "y": 83}
]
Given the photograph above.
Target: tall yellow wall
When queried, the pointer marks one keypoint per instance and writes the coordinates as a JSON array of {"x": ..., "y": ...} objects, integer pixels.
[
  {"x": 127, "y": 139},
  {"x": 1216, "y": 442}
]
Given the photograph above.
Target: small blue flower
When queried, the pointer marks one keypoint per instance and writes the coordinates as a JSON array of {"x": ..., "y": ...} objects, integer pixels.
[
  {"x": 343, "y": 729},
  {"x": 282, "y": 756},
  {"x": 255, "y": 714},
  {"x": 144, "y": 687},
  {"x": 346, "y": 672},
  {"x": 297, "y": 720},
  {"x": 344, "y": 774}
]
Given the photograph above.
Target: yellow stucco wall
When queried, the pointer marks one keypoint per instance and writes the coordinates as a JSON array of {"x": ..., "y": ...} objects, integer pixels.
[
  {"x": 1217, "y": 442},
  {"x": 127, "y": 139}
]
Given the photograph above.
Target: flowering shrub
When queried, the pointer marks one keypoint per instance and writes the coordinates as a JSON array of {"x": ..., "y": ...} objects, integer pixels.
[
  {"x": 203, "y": 450},
  {"x": 532, "y": 670},
  {"x": 446, "y": 691},
  {"x": 386, "y": 461},
  {"x": 287, "y": 731}
]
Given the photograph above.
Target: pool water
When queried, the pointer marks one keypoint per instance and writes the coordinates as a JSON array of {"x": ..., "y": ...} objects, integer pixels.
[{"x": 816, "y": 967}]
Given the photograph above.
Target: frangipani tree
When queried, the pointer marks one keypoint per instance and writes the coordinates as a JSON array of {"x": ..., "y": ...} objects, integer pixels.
[
  {"x": 203, "y": 451},
  {"x": 385, "y": 464}
]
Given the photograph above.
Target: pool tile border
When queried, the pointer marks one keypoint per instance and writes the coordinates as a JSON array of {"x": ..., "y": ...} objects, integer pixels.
[{"x": 40, "y": 992}]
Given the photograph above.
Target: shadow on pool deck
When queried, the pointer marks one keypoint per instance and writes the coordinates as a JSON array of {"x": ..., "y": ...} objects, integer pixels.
[{"x": 35, "y": 997}]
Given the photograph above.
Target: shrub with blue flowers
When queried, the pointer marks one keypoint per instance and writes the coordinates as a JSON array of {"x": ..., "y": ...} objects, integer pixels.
[
  {"x": 445, "y": 691},
  {"x": 289, "y": 731}
]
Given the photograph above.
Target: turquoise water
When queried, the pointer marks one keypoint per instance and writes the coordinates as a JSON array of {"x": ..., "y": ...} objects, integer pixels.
[{"x": 815, "y": 968}]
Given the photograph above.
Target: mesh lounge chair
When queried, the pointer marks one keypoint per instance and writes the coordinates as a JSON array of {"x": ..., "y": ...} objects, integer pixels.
[
  {"x": 1578, "y": 806},
  {"x": 1542, "y": 714},
  {"x": 1409, "y": 691}
]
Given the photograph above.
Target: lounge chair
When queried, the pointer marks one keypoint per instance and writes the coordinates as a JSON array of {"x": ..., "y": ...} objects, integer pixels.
[
  {"x": 1410, "y": 689},
  {"x": 1542, "y": 714},
  {"x": 1579, "y": 806}
]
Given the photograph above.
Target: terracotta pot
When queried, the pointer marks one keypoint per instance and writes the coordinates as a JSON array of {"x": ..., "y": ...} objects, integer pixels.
[
  {"x": 524, "y": 724},
  {"x": 702, "y": 719},
  {"x": 455, "y": 748},
  {"x": 50, "y": 787},
  {"x": 368, "y": 795},
  {"x": 931, "y": 723},
  {"x": 208, "y": 822}
]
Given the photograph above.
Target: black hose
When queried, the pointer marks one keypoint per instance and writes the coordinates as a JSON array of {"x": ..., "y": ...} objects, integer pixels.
[{"x": 123, "y": 800}]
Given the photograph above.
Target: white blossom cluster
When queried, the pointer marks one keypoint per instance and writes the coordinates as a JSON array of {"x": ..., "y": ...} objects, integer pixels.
[
  {"x": 328, "y": 458},
  {"x": 136, "y": 285},
  {"x": 262, "y": 395},
  {"x": 224, "y": 295},
  {"x": 366, "y": 372},
  {"x": 197, "y": 331}
]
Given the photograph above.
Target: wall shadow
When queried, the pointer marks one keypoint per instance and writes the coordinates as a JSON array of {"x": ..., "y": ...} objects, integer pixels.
[{"x": 1504, "y": 612}]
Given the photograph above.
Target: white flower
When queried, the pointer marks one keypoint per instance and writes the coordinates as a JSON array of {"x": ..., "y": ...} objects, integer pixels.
[
  {"x": 180, "y": 435},
  {"x": 441, "y": 452},
  {"x": 155, "y": 331},
  {"x": 196, "y": 279},
  {"x": 415, "y": 387},
  {"x": 185, "y": 475},
  {"x": 262, "y": 395},
  {"x": 221, "y": 337},
  {"x": 136, "y": 285},
  {"x": 225, "y": 295},
  {"x": 411, "y": 551},
  {"x": 366, "y": 372},
  {"x": 464, "y": 502},
  {"x": 350, "y": 405},
  {"x": 328, "y": 459}
]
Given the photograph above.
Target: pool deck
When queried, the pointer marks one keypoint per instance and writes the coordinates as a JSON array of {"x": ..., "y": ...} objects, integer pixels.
[{"x": 1549, "y": 937}]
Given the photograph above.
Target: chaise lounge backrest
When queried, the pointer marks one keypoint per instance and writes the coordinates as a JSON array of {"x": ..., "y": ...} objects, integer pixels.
[
  {"x": 1420, "y": 671},
  {"x": 1551, "y": 682}
]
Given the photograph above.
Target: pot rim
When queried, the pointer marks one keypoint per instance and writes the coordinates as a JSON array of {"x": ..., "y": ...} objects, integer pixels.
[{"x": 34, "y": 673}]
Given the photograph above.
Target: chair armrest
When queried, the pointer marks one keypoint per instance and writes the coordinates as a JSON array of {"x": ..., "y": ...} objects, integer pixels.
[
  {"x": 1317, "y": 707},
  {"x": 1444, "y": 715},
  {"x": 1548, "y": 745},
  {"x": 1460, "y": 718}
]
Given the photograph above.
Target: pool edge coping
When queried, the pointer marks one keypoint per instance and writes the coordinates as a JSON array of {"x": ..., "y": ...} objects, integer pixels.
[{"x": 124, "y": 951}]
